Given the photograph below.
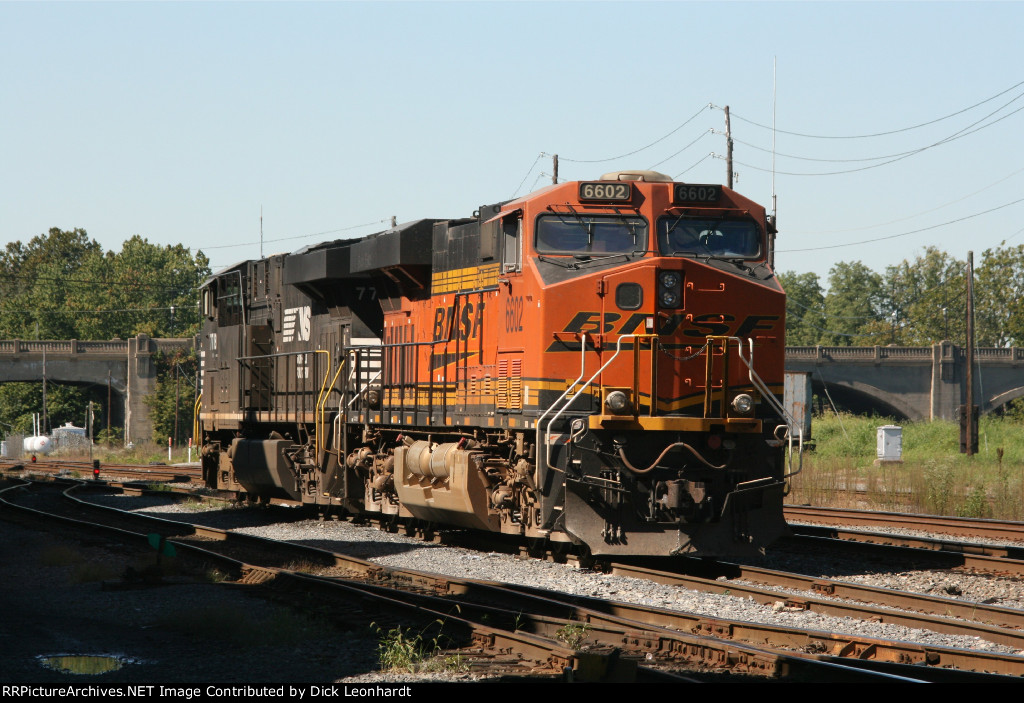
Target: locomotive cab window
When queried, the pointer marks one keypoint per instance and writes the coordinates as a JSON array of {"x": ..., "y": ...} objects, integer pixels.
[
  {"x": 729, "y": 239},
  {"x": 209, "y": 296},
  {"x": 512, "y": 243},
  {"x": 229, "y": 302},
  {"x": 591, "y": 234}
]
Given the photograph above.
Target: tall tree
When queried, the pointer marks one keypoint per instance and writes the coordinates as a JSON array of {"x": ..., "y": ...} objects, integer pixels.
[
  {"x": 854, "y": 305},
  {"x": 39, "y": 282},
  {"x": 999, "y": 292},
  {"x": 926, "y": 299},
  {"x": 805, "y": 308}
]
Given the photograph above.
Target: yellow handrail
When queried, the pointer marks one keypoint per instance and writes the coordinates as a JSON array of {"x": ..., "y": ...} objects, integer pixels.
[
  {"x": 322, "y": 404},
  {"x": 316, "y": 418},
  {"x": 196, "y": 434}
]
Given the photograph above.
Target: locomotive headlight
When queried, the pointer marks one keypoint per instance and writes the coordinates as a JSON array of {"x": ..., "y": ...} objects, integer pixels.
[
  {"x": 670, "y": 289},
  {"x": 617, "y": 402},
  {"x": 743, "y": 404},
  {"x": 669, "y": 299}
]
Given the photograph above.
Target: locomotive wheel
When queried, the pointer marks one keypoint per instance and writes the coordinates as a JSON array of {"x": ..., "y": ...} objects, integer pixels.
[{"x": 536, "y": 547}]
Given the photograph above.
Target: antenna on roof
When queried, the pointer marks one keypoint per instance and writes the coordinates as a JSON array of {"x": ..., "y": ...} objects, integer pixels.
[
  {"x": 261, "y": 230},
  {"x": 774, "y": 89}
]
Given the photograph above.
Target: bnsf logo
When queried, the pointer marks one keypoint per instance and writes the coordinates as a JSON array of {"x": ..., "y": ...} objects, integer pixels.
[
  {"x": 469, "y": 320},
  {"x": 699, "y": 326}
]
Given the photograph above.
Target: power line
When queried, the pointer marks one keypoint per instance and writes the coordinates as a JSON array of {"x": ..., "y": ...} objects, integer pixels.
[
  {"x": 703, "y": 134},
  {"x": 903, "y": 234},
  {"x": 877, "y": 134},
  {"x": 637, "y": 151},
  {"x": 67, "y": 311},
  {"x": 693, "y": 166},
  {"x": 300, "y": 236},
  {"x": 811, "y": 158},
  {"x": 953, "y": 137},
  {"x": 910, "y": 217},
  {"x": 539, "y": 157},
  {"x": 94, "y": 282}
]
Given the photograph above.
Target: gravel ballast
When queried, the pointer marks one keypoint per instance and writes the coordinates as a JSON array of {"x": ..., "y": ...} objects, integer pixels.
[{"x": 398, "y": 551}]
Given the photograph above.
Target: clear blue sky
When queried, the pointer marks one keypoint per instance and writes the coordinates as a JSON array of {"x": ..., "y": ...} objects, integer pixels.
[{"x": 180, "y": 121}]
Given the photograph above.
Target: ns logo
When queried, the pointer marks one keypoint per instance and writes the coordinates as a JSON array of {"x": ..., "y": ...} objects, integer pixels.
[{"x": 296, "y": 324}]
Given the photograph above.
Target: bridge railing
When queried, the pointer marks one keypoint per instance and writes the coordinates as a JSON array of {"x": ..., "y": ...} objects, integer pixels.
[
  {"x": 876, "y": 353},
  {"x": 998, "y": 353},
  {"x": 75, "y": 346}
]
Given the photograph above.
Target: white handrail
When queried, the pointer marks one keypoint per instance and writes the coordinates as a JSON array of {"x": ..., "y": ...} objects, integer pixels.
[
  {"x": 583, "y": 372},
  {"x": 762, "y": 387},
  {"x": 547, "y": 433}
]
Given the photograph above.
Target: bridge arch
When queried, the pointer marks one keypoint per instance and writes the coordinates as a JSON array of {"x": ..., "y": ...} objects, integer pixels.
[
  {"x": 128, "y": 364},
  {"x": 916, "y": 383},
  {"x": 863, "y": 398},
  {"x": 999, "y": 402}
]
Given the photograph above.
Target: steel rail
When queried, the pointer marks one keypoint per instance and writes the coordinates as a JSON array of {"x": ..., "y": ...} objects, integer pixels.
[
  {"x": 834, "y": 646},
  {"x": 994, "y": 560},
  {"x": 983, "y": 621},
  {"x": 752, "y": 634},
  {"x": 697, "y": 646},
  {"x": 969, "y": 527},
  {"x": 552, "y": 657},
  {"x": 148, "y": 471}
]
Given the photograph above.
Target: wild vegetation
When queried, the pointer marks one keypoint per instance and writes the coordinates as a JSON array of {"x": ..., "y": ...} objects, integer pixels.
[
  {"x": 914, "y": 303},
  {"x": 933, "y": 477}
]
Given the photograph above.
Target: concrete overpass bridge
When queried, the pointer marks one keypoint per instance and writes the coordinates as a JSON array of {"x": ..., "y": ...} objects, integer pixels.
[
  {"x": 127, "y": 365},
  {"x": 911, "y": 383}
]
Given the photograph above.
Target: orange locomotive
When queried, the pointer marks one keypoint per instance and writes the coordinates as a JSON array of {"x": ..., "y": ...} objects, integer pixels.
[{"x": 597, "y": 364}]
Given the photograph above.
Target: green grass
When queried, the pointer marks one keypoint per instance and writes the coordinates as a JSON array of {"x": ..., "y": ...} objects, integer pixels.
[
  {"x": 934, "y": 477},
  {"x": 141, "y": 453},
  {"x": 399, "y": 650},
  {"x": 572, "y": 634}
]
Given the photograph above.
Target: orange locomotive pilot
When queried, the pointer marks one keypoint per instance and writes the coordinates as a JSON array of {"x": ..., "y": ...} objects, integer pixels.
[{"x": 596, "y": 364}]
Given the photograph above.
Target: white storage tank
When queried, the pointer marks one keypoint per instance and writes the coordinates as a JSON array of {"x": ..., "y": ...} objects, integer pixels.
[
  {"x": 39, "y": 444},
  {"x": 890, "y": 443}
]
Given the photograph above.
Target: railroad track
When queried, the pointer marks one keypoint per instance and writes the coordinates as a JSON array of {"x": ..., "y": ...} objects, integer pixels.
[
  {"x": 1003, "y": 559},
  {"x": 84, "y": 469},
  {"x": 666, "y": 637},
  {"x": 960, "y": 527}
]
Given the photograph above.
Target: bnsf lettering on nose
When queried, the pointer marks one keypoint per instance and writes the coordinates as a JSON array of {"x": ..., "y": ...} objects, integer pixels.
[
  {"x": 462, "y": 321},
  {"x": 698, "y": 326}
]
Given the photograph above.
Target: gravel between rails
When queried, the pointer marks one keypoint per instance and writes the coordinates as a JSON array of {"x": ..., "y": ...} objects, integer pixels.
[{"x": 398, "y": 551}]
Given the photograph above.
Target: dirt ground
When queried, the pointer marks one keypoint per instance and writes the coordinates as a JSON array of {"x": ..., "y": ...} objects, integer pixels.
[{"x": 53, "y": 602}]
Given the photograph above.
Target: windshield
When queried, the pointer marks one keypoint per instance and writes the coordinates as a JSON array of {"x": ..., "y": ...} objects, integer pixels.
[
  {"x": 570, "y": 233},
  {"x": 709, "y": 237}
]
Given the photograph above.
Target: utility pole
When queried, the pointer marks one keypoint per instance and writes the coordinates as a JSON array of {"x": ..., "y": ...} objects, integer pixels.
[
  {"x": 554, "y": 172},
  {"x": 89, "y": 423},
  {"x": 42, "y": 430},
  {"x": 108, "y": 408},
  {"x": 177, "y": 393},
  {"x": 728, "y": 148},
  {"x": 972, "y": 430}
]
